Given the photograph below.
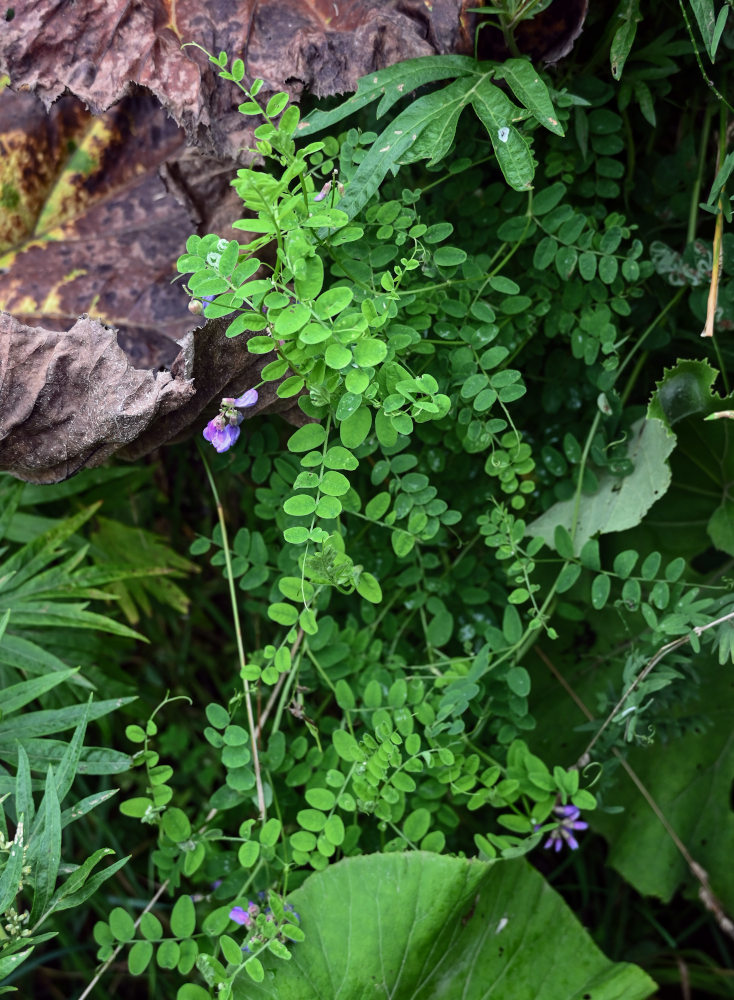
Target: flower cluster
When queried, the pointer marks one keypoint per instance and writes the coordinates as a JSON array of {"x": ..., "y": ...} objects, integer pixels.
[
  {"x": 224, "y": 429},
  {"x": 248, "y": 917},
  {"x": 568, "y": 821}
]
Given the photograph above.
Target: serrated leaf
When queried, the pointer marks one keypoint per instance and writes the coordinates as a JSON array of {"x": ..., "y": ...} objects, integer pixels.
[
  {"x": 390, "y": 85},
  {"x": 531, "y": 92},
  {"x": 628, "y": 13},
  {"x": 497, "y": 113},
  {"x": 390, "y": 147}
]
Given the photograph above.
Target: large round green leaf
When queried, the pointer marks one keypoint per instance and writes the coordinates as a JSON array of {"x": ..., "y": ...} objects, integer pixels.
[{"x": 421, "y": 926}]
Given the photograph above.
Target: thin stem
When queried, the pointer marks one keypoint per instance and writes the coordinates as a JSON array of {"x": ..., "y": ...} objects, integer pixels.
[
  {"x": 276, "y": 690},
  {"x": 238, "y": 635},
  {"x": 645, "y": 672},
  {"x": 706, "y": 895},
  {"x": 696, "y": 190}
]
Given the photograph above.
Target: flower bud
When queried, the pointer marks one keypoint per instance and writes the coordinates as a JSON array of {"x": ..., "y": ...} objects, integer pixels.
[{"x": 323, "y": 192}]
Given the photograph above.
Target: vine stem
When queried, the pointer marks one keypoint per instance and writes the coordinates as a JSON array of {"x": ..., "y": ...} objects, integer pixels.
[
  {"x": 645, "y": 672},
  {"x": 238, "y": 634},
  {"x": 103, "y": 968},
  {"x": 276, "y": 690},
  {"x": 718, "y": 257},
  {"x": 705, "y": 893}
]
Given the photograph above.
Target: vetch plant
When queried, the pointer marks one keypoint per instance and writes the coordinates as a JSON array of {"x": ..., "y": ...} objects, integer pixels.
[{"x": 480, "y": 603}]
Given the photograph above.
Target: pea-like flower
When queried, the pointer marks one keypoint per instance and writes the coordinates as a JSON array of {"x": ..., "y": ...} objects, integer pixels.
[
  {"x": 568, "y": 821},
  {"x": 242, "y": 916},
  {"x": 221, "y": 433},
  {"x": 224, "y": 429}
]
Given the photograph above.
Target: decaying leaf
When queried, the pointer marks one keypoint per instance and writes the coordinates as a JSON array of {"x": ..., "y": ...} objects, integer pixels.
[
  {"x": 72, "y": 399},
  {"x": 97, "y": 49},
  {"x": 87, "y": 225}
]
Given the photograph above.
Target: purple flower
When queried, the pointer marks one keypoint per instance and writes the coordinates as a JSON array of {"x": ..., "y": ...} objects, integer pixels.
[
  {"x": 246, "y": 400},
  {"x": 239, "y": 916},
  {"x": 224, "y": 429},
  {"x": 568, "y": 821},
  {"x": 221, "y": 435},
  {"x": 323, "y": 192}
]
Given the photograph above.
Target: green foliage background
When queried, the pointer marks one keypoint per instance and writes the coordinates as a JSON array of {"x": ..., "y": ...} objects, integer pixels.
[{"x": 489, "y": 578}]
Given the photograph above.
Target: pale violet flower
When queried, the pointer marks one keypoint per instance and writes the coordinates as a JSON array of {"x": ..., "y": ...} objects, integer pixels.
[
  {"x": 568, "y": 821},
  {"x": 222, "y": 432},
  {"x": 248, "y": 398}
]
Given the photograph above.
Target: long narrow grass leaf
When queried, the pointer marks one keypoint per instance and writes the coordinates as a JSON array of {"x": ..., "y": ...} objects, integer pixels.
[
  {"x": 42, "y": 752},
  {"x": 23, "y": 791},
  {"x": 85, "y": 805},
  {"x": 9, "y": 500},
  {"x": 24, "y": 655},
  {"x": 27, "y": 561},
  {"x": 90, "y": 887},
  {"x": 76, "y": 880},
  {"x": 18, "y": 695},
  {"x": 45, "y": 850},
  {"x": 55, "y": 720}
]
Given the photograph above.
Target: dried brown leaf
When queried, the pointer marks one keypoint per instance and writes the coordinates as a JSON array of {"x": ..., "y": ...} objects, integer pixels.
[
  {"x": 88, "y": 225},
  {"x": 97, "y": 49},
  {"x": 72, "y": 399}
]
